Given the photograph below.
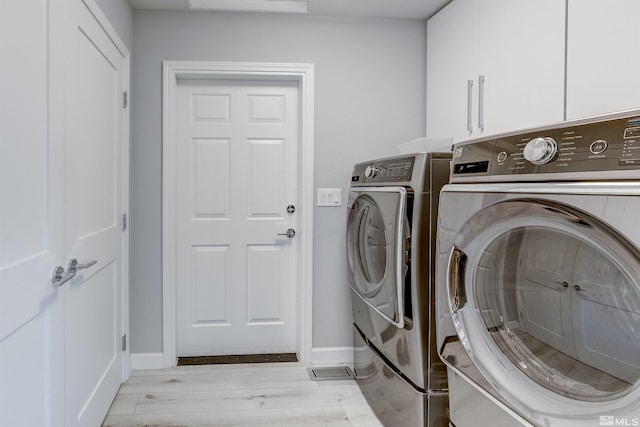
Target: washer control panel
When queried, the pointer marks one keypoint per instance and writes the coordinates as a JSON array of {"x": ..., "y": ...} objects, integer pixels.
[
  {"x": 397, "y": 169},
  {"x": 599, "y": 146}
]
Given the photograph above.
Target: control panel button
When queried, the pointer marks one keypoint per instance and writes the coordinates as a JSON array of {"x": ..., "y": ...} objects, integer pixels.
[
  {"x": 598, "y": 146},
  {"x": 502, "y": 156},
  {"x": 371, "y": 172},
  {"x": 540, "y": 150}
]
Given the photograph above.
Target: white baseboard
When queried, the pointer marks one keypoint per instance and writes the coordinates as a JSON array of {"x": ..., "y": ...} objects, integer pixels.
[
  {"x": 332, "y": 356},
  {"x": 146, "y": 361}
]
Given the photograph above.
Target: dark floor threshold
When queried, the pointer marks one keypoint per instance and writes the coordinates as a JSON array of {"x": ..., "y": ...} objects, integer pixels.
[{"x": 240, "y": 358}]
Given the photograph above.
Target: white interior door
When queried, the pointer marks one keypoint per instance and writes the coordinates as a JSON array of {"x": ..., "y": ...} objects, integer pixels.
[
  {"x": 93, "y": 208},
  {"x": 236, "y": 173},
  {"x": 605, "y": 307},
  {"x": 31, "y": 238},
  {"x": 544, "y": 301}
]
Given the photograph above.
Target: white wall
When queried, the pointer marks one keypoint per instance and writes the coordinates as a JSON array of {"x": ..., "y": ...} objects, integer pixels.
[
  {"x": 370, "y": 86},
  {"x": 120, "y": 15}
]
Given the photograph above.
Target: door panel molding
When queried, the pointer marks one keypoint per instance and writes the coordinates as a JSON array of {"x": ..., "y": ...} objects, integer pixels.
[{"x": 301, "y": 73}]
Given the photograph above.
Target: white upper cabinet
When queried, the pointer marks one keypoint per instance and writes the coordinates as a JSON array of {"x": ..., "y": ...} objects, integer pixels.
[
  {"x": 452, "y": 52},
  {"x": 602, "y": 59},
  {"x": 494, "y": 66}
]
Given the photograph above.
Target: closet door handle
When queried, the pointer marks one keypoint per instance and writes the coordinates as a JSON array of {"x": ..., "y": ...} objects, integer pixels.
[
  {"x": 469, "y": 103},
  {"x": 74, "y": 266},
  {"x": 455, "y": 279},
  {"x": 481, "y": 80},
  {"x": 59, "y": 277}
]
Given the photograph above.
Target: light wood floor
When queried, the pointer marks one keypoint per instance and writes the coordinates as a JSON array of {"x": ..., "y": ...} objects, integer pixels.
[{"x": 260, "y": 394}]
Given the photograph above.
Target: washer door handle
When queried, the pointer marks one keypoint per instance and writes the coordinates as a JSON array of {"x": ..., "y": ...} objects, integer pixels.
[{"x": 455, "y": 279}]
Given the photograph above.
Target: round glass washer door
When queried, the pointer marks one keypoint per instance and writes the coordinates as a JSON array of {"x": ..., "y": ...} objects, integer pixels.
[
  {"x": 546, "y": 302},
  {"x": 375, "y": 226}
]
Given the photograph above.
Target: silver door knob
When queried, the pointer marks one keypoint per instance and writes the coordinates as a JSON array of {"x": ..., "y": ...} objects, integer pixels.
[
  {"x": 290, "y": 233},
  {"x": 73, "y": 266},
  {"x": 59, "y": 277}
]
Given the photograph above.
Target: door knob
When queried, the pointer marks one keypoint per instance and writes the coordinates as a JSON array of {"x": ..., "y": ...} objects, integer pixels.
[
  {"x": 59, "y": 277},
  {"x": 290, "y": 233},
  {"x": 73, "y": 266}
]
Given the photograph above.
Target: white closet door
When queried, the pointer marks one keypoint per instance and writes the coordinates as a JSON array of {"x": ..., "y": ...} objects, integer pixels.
[
  {"x": 93, "y": 207},
  {"x": 31, "y": 223},
  {"x": 61, "y": 139}
]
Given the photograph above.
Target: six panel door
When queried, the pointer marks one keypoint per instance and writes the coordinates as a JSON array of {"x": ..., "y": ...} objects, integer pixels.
[{"x": 236, "y": 163}]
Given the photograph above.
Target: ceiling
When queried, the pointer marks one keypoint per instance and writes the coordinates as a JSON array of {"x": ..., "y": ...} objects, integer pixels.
[{"x": 405, "y": 9}]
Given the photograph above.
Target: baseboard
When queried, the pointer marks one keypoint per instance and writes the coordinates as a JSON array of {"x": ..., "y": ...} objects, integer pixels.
[
  {"x": 332, "y": 356},
  {"x": 146, "y": 361}
]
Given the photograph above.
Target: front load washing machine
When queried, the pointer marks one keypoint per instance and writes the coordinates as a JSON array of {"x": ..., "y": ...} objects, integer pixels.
[
  {"x": 538, "y": 270},
  {"x": 391, "y": 252}
]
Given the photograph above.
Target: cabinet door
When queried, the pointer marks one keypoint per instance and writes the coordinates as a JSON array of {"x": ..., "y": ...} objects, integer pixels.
[
  {"x": 522, "y": 58},
  {"x": 517, "y": 48},
  {"x": 602, "y": 64},
  {"x": 451, "y": 59}
]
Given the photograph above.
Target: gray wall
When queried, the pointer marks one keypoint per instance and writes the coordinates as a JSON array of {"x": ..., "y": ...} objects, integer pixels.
[
  {"x": 120, "y": 15},
  {"x": 369, "y": 96}
]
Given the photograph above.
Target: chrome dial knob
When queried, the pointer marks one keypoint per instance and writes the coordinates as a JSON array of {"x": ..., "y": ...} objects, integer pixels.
[
  {"x": 371, "y": 172},
  {"x": 540, "y": 150}
]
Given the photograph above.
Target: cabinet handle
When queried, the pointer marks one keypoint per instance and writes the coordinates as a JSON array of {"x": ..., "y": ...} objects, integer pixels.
[
  {"x": 481, "y": 102},
  {"x": 469, "y": 102}
]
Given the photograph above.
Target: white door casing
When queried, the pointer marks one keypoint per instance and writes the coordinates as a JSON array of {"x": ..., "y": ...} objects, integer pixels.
[
  {"x": 236, "y": 163},
  {"x": 300, "y": 75},
  {"x": 94, "y": 112}
]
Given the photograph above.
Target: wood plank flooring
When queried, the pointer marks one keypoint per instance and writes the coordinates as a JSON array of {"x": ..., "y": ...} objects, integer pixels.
[{"x": 264, "y": 394}]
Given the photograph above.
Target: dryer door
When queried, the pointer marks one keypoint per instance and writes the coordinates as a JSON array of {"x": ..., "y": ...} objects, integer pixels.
[
  {"x": 545, "y": 299},
  {"x": 376, "y": 246}
]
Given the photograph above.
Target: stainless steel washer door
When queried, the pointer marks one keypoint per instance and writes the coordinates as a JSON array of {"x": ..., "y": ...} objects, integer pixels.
[
  {"x": 545, "y": 300},
  {"x": 375, "y": 247}
]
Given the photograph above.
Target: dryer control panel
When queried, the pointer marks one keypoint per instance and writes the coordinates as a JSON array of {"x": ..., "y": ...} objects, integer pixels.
[
  {"x": 605, "y": 147},
  {"x": 392, "y": 170}
]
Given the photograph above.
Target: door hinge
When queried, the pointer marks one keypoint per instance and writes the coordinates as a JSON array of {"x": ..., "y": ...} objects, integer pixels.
[
  {"x": 124, "y": 222},
  {"x": 124, "y": 342},
  {"x": 125, "y": 101}
]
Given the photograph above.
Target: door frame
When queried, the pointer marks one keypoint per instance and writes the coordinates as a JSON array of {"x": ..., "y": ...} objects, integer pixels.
[{"x": 303, "y": 74}]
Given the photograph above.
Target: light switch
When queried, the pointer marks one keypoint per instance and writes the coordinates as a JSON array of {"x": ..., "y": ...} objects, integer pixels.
[{"x": 329, "y": 196}]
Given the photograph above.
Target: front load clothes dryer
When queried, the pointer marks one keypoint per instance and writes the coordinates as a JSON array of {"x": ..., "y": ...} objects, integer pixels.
[
  {"x": 538, "y": 297},
  {"x": 391, "y": 252}
]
